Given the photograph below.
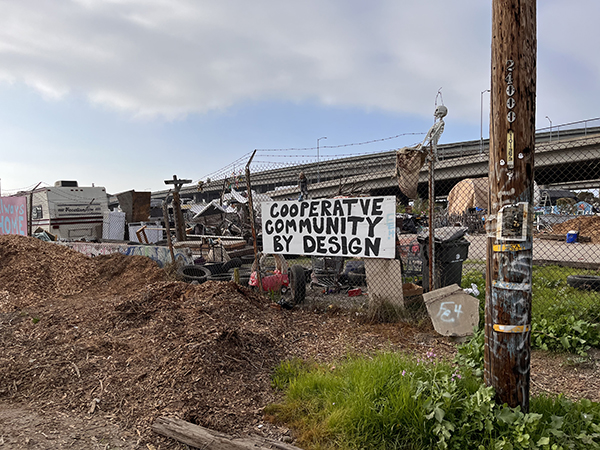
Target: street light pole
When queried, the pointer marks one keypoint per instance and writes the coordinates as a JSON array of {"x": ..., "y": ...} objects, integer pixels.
[
  {"x": 481, "y": 123},
  {"x": 550, "y": 127},
  {"x": 318, "y": 162}
]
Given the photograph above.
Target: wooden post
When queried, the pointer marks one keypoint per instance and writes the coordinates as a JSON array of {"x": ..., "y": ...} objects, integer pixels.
[
  {"x": 252, "y": 223},
  {"x": 179, "y": 222},
  {"x": 510, "y": 219},
  {"x": 165, "y": 208}
]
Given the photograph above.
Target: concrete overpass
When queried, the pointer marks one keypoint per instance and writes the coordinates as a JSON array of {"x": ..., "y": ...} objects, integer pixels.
[{"x": 574, "y": 160}]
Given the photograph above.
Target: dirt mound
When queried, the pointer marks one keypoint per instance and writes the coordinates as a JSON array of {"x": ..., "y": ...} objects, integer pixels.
[
  {"x": 121, "y": 273},
  {"x": 588, "y": 226},
  {"x": 111, "y": 336},
  {"x": 202, "y": 352}
]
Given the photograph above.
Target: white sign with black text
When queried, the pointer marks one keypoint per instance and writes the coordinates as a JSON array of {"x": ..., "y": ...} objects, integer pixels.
[{"x": 353, "y": 227}]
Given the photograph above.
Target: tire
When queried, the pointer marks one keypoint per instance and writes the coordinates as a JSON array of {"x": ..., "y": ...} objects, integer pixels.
[
  {"x": 231, "y": 264},
  {"x": 587, "y": 282},
  {"x": 297, "y": 284},
  {"x": 214, "y": 267},
  {"x": 247, "y": 259},
  {"x": 221, "y": 277},
  {"x": 194, "y": 273}
]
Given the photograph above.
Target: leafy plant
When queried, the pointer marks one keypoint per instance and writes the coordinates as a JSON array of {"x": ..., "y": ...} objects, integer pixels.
[
  {"x": 471, "y": 353},
  {"x": 565, "y": 333},
  {"x": 392, "y": 401},
  {"x": 562, "y": 318}
]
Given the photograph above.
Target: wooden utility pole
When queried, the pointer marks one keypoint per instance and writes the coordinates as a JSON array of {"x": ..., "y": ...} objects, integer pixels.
[
  {"x": 179, "y": 222},
  {"x": 509, "y": 224}
]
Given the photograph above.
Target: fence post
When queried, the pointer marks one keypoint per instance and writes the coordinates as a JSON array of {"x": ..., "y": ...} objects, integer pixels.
[
  {"x": 511, "y": 169},
  {"x": 165, "y": 209},
  {"x": 30, "y": 222},
  {"x": 252, "y": 223},
  {"x": 180, "y": 233},
  {"x": 431, "y": 205}
]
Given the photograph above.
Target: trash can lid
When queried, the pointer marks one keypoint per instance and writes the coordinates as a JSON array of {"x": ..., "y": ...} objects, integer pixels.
[{"x": 443, "y": 234}]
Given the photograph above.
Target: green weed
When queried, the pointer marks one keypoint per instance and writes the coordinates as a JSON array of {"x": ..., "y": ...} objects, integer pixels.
[
  {"x": 394, "y": 401},
  {"x": 563, "y": 318}
]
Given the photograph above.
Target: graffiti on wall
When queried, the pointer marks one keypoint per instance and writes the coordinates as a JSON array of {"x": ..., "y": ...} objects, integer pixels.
[
  {"x": 159, "y": 254},
  {"x": 13, "y": 215}
]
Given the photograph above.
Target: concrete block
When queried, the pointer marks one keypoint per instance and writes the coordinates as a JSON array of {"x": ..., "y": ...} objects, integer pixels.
[
  {"x": 384, "y": 280},
  {"x": 452, "y": 312}
]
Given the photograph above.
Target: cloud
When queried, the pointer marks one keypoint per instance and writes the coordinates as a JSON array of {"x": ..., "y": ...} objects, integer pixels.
[
  {"x": 171, "y": 58},
  {"x": 177, "y": 57}
]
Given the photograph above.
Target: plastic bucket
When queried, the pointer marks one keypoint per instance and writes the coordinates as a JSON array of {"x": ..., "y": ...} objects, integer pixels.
[{"x": 572, "y": 236}]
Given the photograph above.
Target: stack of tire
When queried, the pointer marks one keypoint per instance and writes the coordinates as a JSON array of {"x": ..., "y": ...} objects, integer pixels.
[
  {"x": 194, "y": 273},
  {"x": 216, "y": 271}
]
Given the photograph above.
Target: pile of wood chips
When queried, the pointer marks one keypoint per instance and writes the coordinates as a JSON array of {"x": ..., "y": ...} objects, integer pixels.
[
  {"x": 112, "y": 338},
  {"x": 112, "y": 335}
]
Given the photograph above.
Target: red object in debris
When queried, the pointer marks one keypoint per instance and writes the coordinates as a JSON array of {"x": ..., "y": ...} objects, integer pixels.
[
  {"x": 271, "y": 282},
  {"x": 354, "y": 292}
]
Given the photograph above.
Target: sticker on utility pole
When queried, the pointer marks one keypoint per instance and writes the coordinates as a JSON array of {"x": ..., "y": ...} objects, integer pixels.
[
  {"x": 512, "y": 222},
  {"x": 510, "y": 149}
]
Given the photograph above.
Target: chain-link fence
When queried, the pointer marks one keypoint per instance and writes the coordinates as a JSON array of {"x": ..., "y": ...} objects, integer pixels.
[{"x": 355, "y": 228}]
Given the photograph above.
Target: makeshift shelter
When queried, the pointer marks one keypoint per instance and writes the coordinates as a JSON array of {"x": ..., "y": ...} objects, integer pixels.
[
  {"x": 473, "y": 193},
  {"x": 550, "y": 196},
  {"x": 468, "y": 193}
]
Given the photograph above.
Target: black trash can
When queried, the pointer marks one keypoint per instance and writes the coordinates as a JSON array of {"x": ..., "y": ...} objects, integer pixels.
[{"x": 451, "y": 249}]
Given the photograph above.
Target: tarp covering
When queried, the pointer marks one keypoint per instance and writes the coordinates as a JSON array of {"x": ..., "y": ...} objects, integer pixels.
[
  {"x": 473, "y": 193},
  {"x": 468, "y": 193},
  {"x": 211, "y": 209}
]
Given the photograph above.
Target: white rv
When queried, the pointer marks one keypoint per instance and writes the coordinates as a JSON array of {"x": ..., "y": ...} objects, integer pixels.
[{"x": 68, "y": 211}]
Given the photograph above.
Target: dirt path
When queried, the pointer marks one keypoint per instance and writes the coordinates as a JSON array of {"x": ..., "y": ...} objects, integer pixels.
[{"x": 25, "y": 428}]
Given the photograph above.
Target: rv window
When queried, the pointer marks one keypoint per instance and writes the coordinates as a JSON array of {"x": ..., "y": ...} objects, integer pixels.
[{"x": 37, "y": 212}]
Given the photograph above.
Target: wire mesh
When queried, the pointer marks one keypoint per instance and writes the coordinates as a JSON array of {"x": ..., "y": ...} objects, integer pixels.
[
  {"x": 566, "y": 224},
  {"x": 566, "y": 240}
]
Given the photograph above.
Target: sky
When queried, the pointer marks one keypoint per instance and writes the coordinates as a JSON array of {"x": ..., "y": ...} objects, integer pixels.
[{"x": 127, "y": 93}]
